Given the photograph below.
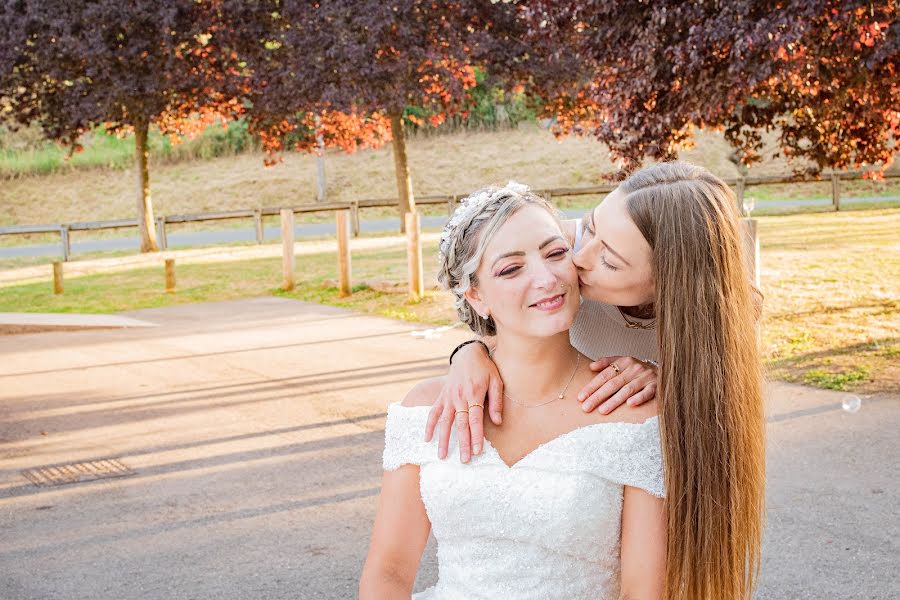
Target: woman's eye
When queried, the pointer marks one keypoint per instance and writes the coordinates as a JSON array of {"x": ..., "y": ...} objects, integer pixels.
[
  {"x": 558, "y": 253},
  {"x": 607, "y": 265},
  {"x": 508, "y": 271}
]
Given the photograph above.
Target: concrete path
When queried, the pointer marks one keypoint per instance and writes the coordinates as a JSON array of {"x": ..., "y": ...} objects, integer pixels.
[
  {"x": 39, "y": 322},
  {"x": 230, "y": 236},
  {"x": 253, "y": 430}
]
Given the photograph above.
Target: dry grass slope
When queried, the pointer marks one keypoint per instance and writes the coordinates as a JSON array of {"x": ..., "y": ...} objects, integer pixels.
[{"x": 457, "y": 163}]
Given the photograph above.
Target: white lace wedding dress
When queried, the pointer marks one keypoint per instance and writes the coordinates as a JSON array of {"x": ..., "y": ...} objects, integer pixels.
[{"x": 546, "y": 527}]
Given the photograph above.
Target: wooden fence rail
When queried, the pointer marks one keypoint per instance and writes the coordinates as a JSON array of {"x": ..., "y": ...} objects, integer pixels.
[{"x": 740, "y": 184}]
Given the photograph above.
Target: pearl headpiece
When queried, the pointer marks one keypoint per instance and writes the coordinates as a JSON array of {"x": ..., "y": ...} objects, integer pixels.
[{"x": 470, "y": 205}]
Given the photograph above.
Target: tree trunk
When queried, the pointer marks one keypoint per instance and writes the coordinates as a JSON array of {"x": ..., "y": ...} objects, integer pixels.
[
  {"x": 401, "y": 166},
  {"x": 146, "y": 221}
]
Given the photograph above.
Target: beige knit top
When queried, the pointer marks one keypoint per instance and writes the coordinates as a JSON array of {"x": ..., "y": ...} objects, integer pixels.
[{"x": 600, "y": 330}]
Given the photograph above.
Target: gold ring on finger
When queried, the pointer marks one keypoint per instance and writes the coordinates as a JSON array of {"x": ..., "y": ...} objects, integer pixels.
[
  {"x": 478, "y": 405},
  {"x": 616, "y": 368},
  {"x": 462, "y": 411}
]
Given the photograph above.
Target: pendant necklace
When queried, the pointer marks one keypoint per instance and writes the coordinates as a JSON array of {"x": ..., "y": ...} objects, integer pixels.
[{"x": 561, "y": 395}]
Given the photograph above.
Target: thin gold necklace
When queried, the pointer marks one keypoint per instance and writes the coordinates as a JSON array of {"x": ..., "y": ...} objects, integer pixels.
[
  {"x": 561, "y": 395},
  {"x": 635, "y": 324}
]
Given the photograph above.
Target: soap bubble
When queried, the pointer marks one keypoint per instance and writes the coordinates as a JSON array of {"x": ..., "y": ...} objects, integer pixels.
[{"x": 851, "y": 404}]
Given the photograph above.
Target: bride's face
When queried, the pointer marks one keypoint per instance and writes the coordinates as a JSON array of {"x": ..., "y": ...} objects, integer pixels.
[{"x": 526, "y": 280}]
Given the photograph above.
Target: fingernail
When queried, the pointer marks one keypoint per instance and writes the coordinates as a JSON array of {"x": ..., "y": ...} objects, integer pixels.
[
  {"x": 477, "y": 448},
  {"x": 581, "y": 397},
  {"x": 465, "y": 458}
]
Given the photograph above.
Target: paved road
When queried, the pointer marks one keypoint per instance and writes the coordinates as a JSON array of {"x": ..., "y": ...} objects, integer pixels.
[
  {"x": 224, "y": 236},
  {"x": 202, "y": 238},
  {"x": 254, "y": 429}
]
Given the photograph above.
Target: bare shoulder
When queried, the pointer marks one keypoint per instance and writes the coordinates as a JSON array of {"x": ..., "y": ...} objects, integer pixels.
[
  {"x": 639, "y": 414},
  {"x": 628, "y": 414},
  {"x": 424, "y": 393}
]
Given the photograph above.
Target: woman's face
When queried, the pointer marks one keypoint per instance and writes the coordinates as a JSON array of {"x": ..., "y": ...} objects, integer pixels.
[
  {"x": 526, "y": 280},
  {"x": 614, "y": 262}
]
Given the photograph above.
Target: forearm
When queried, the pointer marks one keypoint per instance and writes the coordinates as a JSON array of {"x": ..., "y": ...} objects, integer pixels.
[
  {"x": 643, "y": 546},
  {"x": 485, "y": 342},
  {"x": 379, "y": 583}
]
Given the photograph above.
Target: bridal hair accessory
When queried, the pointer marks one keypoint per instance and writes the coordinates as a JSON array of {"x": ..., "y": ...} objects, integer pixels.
[{"x": 469, "y": 205}]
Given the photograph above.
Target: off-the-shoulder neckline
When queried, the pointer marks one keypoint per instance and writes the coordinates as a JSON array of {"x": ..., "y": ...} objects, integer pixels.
[{"x": 566, "y": 435}]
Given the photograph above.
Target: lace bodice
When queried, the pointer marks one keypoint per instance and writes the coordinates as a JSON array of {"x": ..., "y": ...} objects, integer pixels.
[{"x": 546, "y": 527}]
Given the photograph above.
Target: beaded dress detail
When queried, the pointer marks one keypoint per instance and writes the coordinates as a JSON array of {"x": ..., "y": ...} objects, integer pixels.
[{"x": 546, "y": 527}]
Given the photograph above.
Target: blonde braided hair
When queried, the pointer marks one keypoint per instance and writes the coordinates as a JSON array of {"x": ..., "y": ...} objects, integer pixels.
[{"x": 466, "y": 236}]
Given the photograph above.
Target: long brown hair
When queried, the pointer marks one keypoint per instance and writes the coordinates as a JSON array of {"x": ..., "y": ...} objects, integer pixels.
[{"x": 710, "y": 381}]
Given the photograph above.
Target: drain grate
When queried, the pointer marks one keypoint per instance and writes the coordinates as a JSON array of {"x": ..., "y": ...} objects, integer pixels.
[{"x": 77, "y": 472}]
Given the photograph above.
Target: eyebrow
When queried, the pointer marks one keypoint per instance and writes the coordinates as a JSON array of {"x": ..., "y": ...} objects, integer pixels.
[
  {"x": 608, "y": 247},
  {"x": 546, "y": 243}
]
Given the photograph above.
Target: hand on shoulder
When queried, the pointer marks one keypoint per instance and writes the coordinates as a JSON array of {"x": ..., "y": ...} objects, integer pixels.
[
  {"x": 639, "y": 414},
  {"x": 630, "y": 414},
  {"x": 424, "y": 393}
]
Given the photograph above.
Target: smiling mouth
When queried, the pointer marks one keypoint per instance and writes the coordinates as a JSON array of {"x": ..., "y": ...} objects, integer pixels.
[{"x": 551, "y": 303}]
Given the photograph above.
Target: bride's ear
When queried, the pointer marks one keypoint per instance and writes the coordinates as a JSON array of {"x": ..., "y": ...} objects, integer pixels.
[{"x": 474, "y": 299}]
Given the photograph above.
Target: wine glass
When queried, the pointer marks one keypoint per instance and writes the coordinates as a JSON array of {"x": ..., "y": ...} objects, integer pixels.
[{"x": 749, "y": 204}]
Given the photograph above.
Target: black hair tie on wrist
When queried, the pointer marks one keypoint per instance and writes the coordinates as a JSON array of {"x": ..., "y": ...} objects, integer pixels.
[{"x": 466, "y": 343}]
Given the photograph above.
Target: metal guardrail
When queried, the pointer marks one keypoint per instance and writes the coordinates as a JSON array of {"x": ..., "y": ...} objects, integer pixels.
[{"x": 740, "y": 184}]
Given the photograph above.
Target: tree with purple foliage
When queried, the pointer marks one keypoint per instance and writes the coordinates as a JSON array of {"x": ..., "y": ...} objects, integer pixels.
[
  {"x": 74, "y": 66},
  {"x": 641, "y": 76},
  {"x": 365, "y": 59}
]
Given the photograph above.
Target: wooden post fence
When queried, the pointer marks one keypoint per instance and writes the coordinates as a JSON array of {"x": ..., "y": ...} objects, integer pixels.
[
  {"x": 342, "y": 218},
  {"x": 414, "y": 256},
  {"x": 258, "y": 225},
  {"x": 170, "y": 275},
  {"x": 751, "y": 248},
  {"x": 161, "y": 238},
  {"x": 836, "y": 191},
  {"x": 57, "y": 277},
  {"x": 354, "y": 217},
  {"x": 287, "y": 249},
  {"x": 66, "y": 243},
  {"x": 739, "y": 184}
]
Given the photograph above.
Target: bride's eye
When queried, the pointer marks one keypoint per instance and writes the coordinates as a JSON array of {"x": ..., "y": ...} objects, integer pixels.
[
  {"x": 558, "y": 253},
  {"x": 508, "y": 271}
]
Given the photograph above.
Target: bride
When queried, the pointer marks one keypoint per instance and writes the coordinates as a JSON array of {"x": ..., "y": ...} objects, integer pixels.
[{"x": 561, "y": 503}]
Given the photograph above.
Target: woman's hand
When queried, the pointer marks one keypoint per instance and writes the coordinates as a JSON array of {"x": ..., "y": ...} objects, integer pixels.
[
  {"x": 472, "y": 377},
  {"x": 619, "y": 379}
]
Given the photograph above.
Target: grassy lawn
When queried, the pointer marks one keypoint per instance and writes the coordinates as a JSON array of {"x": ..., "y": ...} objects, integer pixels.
[{"x": 832, "y": 313}]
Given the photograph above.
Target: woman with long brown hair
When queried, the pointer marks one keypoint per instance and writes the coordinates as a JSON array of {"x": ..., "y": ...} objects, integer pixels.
[{"x": 666, "y": 246}]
